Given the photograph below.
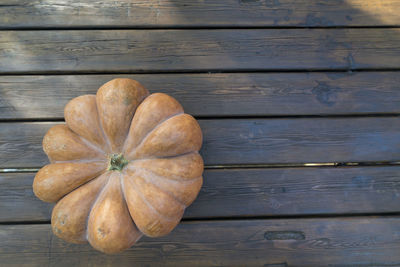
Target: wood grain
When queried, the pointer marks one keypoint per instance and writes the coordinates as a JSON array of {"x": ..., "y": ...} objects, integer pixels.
[
  {"x": 249, "y": 192},
  {"x": 218, "y": 94},
  {"x": 269, "y": 51},
  {"x": 16, "y": 197},
  {"x": 198, "y": 50},
  {"x": 297, "y": 242},
  {"x": 248, "y": 141},
  {"x": 192, "y": 13}
]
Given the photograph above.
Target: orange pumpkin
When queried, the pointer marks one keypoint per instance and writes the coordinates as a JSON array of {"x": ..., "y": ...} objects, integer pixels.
[{"x": 125, "y": 164}]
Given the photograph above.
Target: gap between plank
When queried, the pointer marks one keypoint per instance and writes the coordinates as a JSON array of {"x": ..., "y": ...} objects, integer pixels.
[
  {"x": 193, "y": 71},
  {"x": 249, "y": 218},
  {"x": 191, "y": 27},
  {"x": 254, "y": 166},
  {"x": 295, "y": 216},
  {"x": 228, "y": 117}
]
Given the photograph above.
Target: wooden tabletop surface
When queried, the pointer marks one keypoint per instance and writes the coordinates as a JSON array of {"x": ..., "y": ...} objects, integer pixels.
[{"x": 299, "y": 103}]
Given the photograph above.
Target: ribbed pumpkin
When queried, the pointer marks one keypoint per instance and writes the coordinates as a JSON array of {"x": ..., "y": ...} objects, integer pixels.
[{"x": 125, "y": 164}]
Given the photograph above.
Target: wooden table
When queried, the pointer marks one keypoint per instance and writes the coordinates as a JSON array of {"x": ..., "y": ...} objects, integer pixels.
[{"x": 299, "y": 103}]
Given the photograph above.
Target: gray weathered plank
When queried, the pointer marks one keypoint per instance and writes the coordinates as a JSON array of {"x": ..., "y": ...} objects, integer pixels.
[
  {"x": 198, "y": 50},
  {"x": 250, "y": 192},
  {"x": 299, "y": 242},
  {"x": 17, "y": 201},
  {"x": 193, "y": 13},
  {"x": 218, "y": 94},
  {"x": 248, "y": 141}
]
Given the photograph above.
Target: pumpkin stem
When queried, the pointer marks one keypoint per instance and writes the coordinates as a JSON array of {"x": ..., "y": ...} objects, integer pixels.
[{"x": 117, "y": 162}]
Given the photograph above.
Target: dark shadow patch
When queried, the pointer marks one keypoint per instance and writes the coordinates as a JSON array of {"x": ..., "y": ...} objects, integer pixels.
[
  {"x": 312, "y": 20},
  {"x": 325, "y": 93},
  {"x": 284, "y": 264},
  {"x": 350, "y": 62},
  {"x": 272, "y": 3},
  {"x": 284, "y": 235},
  {"x": 361, "y": 181}
]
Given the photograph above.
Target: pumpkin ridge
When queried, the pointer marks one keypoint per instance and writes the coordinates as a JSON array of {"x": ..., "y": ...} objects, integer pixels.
[
  {"x": 122, "y": 185},
  {"x": 55, "y": 219},
  {"x": 95, "y": 201},
  {"x": 147, "y": 134},
  {"x": 109, "y": 101},
  {"x": 176, "y": 177},
  {"x": 173, "y": 182},
  {"x": 163, "y": 157},
  {"x": 81, "y": 161},
  {"x": 171, "y": 106},
  {"x": 95, "y": 177},
  {"x": 66, "y": 183},
  {"x": 140, "y": 194},
  {"x": 180, "y": 179},
  {"x": 102, "y": 130},
  {"x": 126, "y": 202},
  {"x": 73, "y": 112},
  {"x": 111, "y": 232},
  {"x": 90, "y": 144},
  {"x": 130, "y": 123},
  {"x": 150, "y": 180},
  {"x": 170, "y": 157},
  {"x": 60, "y": 143},
  {"x": 175, "y": 136}
]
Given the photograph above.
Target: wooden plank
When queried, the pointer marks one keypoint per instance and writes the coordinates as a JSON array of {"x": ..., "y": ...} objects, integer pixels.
[
  {"x": 298, "y": 242},
  {"x": 248, "y": 141},
  {"x": 218, "y": 94},
  {"x": 17, "y": 201},
  {"x": 250, "y": 192},
  {"x": 198, "y": 50},
  {"x": 192, "y": 13}
]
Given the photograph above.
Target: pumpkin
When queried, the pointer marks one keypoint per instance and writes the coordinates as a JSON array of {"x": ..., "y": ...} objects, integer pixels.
[{"x": 125, "y": 164}]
